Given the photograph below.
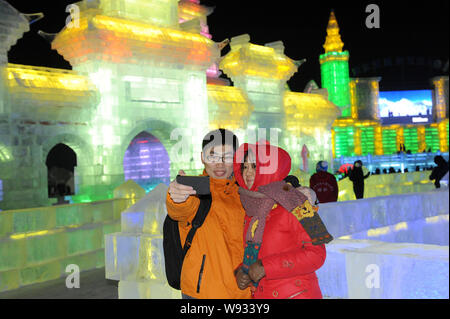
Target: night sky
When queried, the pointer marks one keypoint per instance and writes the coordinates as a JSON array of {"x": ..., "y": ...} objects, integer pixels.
[{"x": 410, "y": 47}]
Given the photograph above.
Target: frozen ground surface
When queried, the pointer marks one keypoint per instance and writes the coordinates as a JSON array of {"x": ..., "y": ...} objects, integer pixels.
[{"x": 93, "y": 285}]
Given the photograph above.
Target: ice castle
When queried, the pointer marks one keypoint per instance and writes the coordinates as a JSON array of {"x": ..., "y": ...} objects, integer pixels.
[{"x": 142, "y": 67}]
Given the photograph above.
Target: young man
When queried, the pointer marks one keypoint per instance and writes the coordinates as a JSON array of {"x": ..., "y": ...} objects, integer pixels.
[{"x": 217, "y": 248}]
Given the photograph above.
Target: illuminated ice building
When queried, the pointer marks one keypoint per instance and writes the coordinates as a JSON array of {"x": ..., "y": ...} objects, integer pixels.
[
  {"x": 145, "y": 80},
  {"x": 374, "y": 125}
]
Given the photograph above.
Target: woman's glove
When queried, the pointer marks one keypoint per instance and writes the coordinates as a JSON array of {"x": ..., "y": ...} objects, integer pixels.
[
  {"x": 256, "y": 271},
  {"x": 242, "y": 279}
]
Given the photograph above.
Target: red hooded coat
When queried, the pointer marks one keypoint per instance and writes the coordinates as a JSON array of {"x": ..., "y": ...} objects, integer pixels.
[{"x": 287, "y": 254}]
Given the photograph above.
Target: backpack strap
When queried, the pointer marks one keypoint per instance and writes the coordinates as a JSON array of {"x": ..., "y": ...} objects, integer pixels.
[{"x": 197, "y": 222}]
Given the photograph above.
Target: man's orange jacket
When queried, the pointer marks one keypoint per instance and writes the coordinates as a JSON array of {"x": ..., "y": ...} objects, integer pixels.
[{"x": 217, "y": 249}]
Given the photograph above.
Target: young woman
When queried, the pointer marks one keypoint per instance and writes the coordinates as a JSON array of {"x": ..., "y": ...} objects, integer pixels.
[{"x": 283, "y": 235}]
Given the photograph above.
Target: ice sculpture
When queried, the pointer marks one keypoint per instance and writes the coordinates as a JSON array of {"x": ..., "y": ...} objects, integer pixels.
[
  {"x": 135, "y": 256},
  {"x": 14, "y": 24}
]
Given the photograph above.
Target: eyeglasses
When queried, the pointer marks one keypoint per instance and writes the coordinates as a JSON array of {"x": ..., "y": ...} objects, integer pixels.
[{"x": 220, "y": 158}]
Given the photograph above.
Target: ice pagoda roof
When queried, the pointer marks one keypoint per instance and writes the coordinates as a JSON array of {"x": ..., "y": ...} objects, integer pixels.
[
  {"x": 12, "y": 26},
  {"x": 118, "y": 40},
  {"x": 228, "y": 107},
  {"x": 254, "y": 60}
]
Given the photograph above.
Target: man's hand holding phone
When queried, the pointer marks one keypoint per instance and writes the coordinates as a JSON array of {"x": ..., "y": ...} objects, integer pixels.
[{"x": 179, "y": 192}]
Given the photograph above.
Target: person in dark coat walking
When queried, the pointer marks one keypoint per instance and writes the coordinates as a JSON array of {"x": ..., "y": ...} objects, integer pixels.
[
  {"x": 324, "y": 184},
  {"x": 357, "y": 177},
  {"x": 439, "y": 171}
]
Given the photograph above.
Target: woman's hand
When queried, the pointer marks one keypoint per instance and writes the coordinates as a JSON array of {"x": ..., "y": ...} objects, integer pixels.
[
  {"x": 242, "y": 279},
  {"x": 256, "y": 271},
  {"x": 179, "y": 192}
]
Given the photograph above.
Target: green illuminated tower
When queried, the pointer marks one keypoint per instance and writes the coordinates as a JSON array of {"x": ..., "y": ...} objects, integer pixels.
[{"x": 334, "y": 68}]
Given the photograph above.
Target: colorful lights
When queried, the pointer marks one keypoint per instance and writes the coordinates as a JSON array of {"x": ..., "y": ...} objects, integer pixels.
[
  {"x": 32, "y": 234},
  {"x": 440, "y": 109},
  {"x": 146, "y": 162}
]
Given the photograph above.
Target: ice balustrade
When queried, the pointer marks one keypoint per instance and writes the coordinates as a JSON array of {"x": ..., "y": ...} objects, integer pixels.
[
  {"x": 37, "y": 244},
  {"x": 411, "y": 264}
]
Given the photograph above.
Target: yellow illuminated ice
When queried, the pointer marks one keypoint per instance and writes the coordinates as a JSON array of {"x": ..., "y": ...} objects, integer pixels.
[
  {"x": 299, "y": 114},
  {"x": 247, "y": 59},
  {"x": 46, "y": 78},
  {"x": 228, "y": 107},
  {"x": 123, "y": 40},
  {"x": 333, "y": 42}
]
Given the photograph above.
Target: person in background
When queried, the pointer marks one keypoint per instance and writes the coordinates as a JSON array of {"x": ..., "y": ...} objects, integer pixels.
[
  {"x": 324, "y": 184},
  {"x": 357, "y": 177},
  {"x": 439, "y": 171}
]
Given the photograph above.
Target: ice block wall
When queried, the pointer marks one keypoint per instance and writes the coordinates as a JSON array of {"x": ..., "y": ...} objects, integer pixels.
[
  {"x": 37, "y": 244},
  {"x": 34, "y": 122},
  {"x": 388, "y": 184},
  {"x": 135, "y": 256},
  {"x": 370, "y": 268}
]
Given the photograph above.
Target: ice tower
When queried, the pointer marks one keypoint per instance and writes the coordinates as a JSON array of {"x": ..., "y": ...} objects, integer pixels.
[{"x": 334, "y": 68}]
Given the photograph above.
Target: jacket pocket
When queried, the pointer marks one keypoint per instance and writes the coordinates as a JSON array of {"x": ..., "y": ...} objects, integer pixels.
[{"x": 200, "y": 274}]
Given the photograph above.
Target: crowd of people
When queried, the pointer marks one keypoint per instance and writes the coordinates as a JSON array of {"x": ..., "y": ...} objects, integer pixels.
[{"x": 259, "y": 234}]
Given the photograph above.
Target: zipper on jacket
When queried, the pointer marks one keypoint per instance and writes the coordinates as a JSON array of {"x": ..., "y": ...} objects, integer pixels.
[
  {"x": 296, "y": 294},
  {"x": 200, "y": 274}
]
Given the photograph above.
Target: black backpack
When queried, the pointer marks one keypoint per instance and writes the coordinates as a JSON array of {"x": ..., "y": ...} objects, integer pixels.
[{"x": 173, "y": 251}]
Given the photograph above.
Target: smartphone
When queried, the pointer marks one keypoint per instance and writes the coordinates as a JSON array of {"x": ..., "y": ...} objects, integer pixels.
[{"x": 199, "y": 183}]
